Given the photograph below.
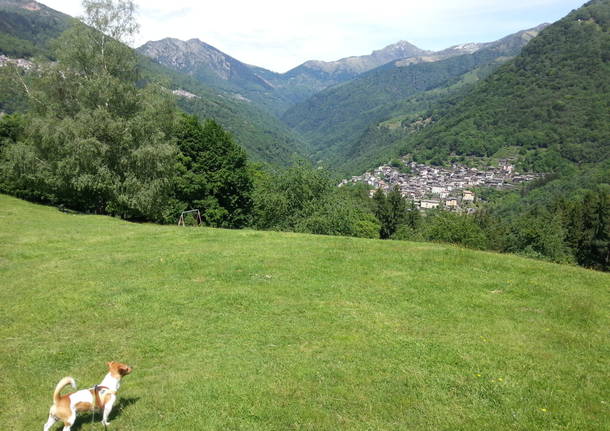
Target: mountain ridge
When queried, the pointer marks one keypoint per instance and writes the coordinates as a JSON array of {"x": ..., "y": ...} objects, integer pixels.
[
  {"x": 278, "y": 92},
  {"x": 349, "y": 67}
]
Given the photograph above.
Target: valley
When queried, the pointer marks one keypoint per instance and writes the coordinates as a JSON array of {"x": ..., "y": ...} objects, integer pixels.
[
  {"x": 413, "y": 239},
  {"x": 400, "y": 116}
]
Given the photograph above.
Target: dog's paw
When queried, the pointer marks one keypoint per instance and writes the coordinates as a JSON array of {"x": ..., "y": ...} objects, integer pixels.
[{"x": 105, "y": 423}]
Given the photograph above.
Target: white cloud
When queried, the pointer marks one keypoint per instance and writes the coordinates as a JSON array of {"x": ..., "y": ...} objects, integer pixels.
[{"x": 279, "y": 34}]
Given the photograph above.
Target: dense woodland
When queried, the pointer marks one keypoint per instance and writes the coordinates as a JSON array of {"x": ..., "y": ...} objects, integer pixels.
[{"x": 97, "y": 131}]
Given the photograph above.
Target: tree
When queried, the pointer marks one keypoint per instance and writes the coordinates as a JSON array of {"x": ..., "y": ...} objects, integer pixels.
[
  {"x": 454, "y": 229},
  {"x": 390, "y": 210},
  {"x": 303, "y": 198},
  {"x": 589, "y": 229},
  {"x": 12, "y": 128},
  {"x": 283, "y": 199},
  {"x": 214, "y": 173},
  {"x": 413, "y": 218},
  {"x": 94, "y": 141}
]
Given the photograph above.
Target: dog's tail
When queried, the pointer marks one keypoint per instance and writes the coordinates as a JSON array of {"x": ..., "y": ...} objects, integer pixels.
[{"x": 62, "y": 384}]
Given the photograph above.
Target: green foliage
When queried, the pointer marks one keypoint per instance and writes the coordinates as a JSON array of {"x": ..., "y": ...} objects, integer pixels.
[
  {"x": 400, "y": 166},
  {"x": 96, "y": 161},
  {"x": 264, "y": 137},
  {"x": 335, "y": 120},
  {"x": 539, "y": 235},
  {"x": 553, "y": 98},
  {"x": 285, "y": 197},
  {"x": 17, "y": 48},
  {"x": 26, "y": 33},
  {"x": 12, "y": 129},
  {"x": 453, "y": 229},
  {"x": 588, "y": 228},
  {"x": 12, "y": 97},
  {"x": 338, "y": 215},
  {"x": 390, "y": 210},
  {"x": 214, "y": 176},
  {"x": 304, "y": 199},
  {"x": 94, "y": 141},
  {"x": 563, "y": 218}
]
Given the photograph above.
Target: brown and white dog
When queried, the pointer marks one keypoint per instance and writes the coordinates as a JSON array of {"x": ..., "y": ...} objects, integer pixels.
[{"x": 101, "y": 396}]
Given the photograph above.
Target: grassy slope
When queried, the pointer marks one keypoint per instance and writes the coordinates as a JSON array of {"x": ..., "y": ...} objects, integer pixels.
[{"x": 255, "y": 330}]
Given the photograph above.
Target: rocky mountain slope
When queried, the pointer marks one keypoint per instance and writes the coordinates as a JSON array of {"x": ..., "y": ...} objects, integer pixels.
[
  {"x": 274, "y": 91},
  {"x": 212, "y": 67},
  {"x": 322, "y": 74}
]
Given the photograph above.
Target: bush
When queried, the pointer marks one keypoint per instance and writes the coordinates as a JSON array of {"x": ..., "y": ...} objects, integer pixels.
[{"x": 454, "y": 229}]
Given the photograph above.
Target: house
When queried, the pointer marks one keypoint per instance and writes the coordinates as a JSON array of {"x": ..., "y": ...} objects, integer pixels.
[
  {"x": 468, "y": 196},
  {"x": 429, "y": 203},
  {"x": 437, "y": 189},
  {"x": 451, "y": 202}
]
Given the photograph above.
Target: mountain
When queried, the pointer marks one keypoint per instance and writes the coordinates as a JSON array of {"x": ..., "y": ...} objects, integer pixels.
[
  {"x": 551, "y": 104},
  {"x": 212, "y": 67},
  {"x": 273, "y": 91},
  {"x": 322, "y": 74},
  {"x": 507, "y": 44},
  {"x": 27, "y": 29},
  {"x": 335, "y": 118}
]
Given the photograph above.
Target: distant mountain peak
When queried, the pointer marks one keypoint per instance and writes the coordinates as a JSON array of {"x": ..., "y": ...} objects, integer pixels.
[
  {"x": 23, "y": 4},
  {"x": 400, "y": 46},
  {"x": 349, "y": 67}
]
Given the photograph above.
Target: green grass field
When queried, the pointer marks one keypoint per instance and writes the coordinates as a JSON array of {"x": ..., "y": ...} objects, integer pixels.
[{"x": 246, "y": 330}]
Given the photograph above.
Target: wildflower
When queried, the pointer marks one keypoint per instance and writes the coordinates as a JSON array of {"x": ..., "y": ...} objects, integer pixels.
[{"x": 543, "y": 409}]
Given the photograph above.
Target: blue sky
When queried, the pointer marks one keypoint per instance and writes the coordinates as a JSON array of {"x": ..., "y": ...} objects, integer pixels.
[{"x": 281, "y": 34}]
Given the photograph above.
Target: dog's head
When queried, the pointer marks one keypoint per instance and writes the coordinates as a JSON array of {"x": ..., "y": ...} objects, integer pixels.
[{"x": 118, "y": 369}]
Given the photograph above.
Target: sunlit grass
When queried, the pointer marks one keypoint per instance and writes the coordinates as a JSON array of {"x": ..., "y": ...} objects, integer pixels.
[{"x": 248, "y": 330}]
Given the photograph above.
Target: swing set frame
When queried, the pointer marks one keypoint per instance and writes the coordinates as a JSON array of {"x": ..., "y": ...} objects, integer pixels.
[{"x": 196, "y": 215}]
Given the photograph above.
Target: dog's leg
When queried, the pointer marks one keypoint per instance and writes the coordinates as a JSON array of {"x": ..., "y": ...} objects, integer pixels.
[
  {"x": 70, "y": 421},
  {"x": 49, "y": 423},
  {"x": 108, "y": 409}
]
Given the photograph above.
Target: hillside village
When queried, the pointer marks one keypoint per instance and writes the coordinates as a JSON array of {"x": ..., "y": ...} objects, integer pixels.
[
  {"x": 19, "y": 62},
  {"x": 447, "y": 187}
]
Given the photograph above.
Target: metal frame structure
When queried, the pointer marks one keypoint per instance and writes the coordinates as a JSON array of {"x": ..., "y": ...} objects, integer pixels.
[{"x": 196, "y": 215}]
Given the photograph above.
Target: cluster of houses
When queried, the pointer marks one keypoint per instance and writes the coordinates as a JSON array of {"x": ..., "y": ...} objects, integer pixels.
[
  {"x": 447, "y": 187},
  {"x": 19, "y": 62}
]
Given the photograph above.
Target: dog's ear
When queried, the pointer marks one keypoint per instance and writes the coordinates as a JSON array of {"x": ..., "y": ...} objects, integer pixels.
[{"x": 109, "y": 364}]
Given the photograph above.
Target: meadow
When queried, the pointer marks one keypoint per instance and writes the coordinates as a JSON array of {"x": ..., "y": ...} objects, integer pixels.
[{"x": 251, "y": 330}]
